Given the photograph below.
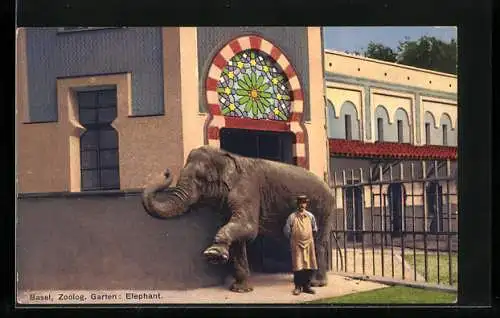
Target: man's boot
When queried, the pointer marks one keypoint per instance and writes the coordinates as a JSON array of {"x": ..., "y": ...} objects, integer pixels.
[
  {"x": 296, "y": 291},
  {"x": 307, "y": 289}
]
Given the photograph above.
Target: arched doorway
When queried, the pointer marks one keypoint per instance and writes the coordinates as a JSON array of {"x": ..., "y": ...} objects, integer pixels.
[
  {"x": 396, "y": 195},
  {"x": 255, "y": 104},
  {"x": 252, "y": 85},
  {"x": 434, "y": 194}
]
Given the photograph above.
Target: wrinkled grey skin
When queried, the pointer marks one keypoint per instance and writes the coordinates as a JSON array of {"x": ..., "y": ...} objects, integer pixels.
[{"x": 259, "y": 195}]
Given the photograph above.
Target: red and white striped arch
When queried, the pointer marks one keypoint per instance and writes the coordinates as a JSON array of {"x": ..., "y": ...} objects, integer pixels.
[{"x": 217, "y": 121}]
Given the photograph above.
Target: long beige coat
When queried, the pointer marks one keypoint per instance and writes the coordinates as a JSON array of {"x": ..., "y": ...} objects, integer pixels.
[{"x": 300, "y": 228}]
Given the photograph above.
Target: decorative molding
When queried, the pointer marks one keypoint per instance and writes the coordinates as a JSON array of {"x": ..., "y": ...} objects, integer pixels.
[
  {"x": 68, "y": 114},
  {"x": 368, "y": 113},
  {"x": 333, "y": 77},
  {"x": 418, "y": 120}
]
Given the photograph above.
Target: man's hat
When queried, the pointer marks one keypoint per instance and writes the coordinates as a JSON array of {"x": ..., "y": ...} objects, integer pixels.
[{"x": 302, "y": 198}]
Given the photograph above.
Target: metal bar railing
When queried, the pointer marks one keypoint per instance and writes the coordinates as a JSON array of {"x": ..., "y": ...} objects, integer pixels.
[{"x": 426, "y": 248}]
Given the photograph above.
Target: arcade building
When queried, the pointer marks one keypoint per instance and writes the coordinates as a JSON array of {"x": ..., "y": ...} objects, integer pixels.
[{"x": 106, "y": 110}]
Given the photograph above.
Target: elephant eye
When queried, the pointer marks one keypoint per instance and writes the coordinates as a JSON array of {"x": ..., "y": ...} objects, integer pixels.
[{"x": 200, "y": 174}]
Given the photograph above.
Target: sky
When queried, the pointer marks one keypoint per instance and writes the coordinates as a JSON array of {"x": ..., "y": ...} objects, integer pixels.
[{"x": 357, "y": 38}]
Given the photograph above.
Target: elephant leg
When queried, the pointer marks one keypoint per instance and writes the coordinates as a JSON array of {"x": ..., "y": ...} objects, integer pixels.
[
  {"x": 241, "y": 268},
  {"x": 320, "y": 277},
  {"x": 235, "y": 230}
]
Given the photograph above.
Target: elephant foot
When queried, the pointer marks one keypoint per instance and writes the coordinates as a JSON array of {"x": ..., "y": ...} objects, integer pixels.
[
  {"x": 217, "y": 254},
  {"x": 319, "y": 282},
  {"x": 240, "y": 287}
]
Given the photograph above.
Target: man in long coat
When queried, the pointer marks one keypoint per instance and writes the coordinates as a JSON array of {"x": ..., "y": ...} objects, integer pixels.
[{"x": 301, "y": 228}]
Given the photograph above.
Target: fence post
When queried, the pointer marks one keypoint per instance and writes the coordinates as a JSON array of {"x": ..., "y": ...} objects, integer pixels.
[
  {"x": 362, "y": 197},
  {"x": 345, "y": 229}
]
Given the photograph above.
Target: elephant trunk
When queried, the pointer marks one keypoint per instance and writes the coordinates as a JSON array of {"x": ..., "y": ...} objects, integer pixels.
[{"x": 176, "y": 203}]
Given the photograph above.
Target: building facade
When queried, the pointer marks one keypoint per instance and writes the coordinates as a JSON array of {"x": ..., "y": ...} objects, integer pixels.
[
  {"x": 164, "y": 87},
  {"x": 395, "y": 125},
  {"x": 106, "y": 110}
]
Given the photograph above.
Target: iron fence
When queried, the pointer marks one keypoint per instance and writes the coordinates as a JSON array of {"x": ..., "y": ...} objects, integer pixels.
[{"x": 397, "y": 220}]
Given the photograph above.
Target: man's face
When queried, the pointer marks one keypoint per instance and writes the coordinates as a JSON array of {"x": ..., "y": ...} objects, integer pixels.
[{"x": 302, "y": 206}]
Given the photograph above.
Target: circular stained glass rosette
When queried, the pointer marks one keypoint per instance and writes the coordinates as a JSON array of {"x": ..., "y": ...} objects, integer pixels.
[{"x": 252, "y": 85}]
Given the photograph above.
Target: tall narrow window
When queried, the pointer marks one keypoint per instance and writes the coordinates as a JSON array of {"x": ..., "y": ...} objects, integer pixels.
[
  {"x": 348, "y": 128},
  {"x": 445, "y": 135},
  {"x": 427, "y": 133},
  {"x": 99, "y": 144},
  {"x": 380, "y": 129},
  {"x": 400, "y": 131}
]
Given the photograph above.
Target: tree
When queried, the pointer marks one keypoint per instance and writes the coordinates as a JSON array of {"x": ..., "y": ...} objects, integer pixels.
[
  {"x": 429, "y": 53},
  {"x": 380, "y": 52},
  {"x": 426, "y": 52}
]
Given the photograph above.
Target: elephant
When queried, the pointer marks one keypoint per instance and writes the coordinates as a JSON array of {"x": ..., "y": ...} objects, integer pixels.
[{"x": 258, "y": 195}]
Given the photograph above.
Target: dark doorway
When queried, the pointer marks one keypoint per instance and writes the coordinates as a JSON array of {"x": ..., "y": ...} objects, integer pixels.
[
  {"x": 265, "y": 254},
  {"x": 269, "y": 145},
  {"x": 354, "y": 210},
  {"x": 396, "y": 194},
  {"x": 435, "y": 206}
]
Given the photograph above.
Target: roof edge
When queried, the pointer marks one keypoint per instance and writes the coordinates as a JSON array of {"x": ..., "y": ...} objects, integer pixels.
[{"x": 333, "y": 52}]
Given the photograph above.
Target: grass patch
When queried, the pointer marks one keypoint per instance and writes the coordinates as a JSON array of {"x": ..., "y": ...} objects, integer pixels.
[
  {"x": 392, "y": 295},
  {"x": 432, "y": 267}
]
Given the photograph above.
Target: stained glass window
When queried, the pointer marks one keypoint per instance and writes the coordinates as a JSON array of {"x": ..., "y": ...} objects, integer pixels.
[{"x": 252, "y": 85}]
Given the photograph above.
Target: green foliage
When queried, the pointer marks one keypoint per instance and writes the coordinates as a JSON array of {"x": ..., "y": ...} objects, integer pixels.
[
  {"x": 380, "y": 52},
  {"x": 429, "y": 53},
  {"x": 426, "y": 52}
]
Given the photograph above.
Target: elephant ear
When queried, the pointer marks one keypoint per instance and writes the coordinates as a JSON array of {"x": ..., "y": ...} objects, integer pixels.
[
  {"x": 211, "y": 175},
  {"x": 228, "y": 167}
]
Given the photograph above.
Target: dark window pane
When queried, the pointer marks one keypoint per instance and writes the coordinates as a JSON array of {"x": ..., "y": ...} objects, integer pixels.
[
  {"x": 87, "y": 99},
  {"x": 106, "y": 98},
  {"x": 348, "y": 128},
  {"x": 107, "y": 115},
  {"x": 400, "y": 130},
  {"x": 108, "y": 138},
  {"x": 427, "y": 133},
  {"x": 108, "y": 158},
  {"x": 89, "y": 140},
  {"x": 110, "y": 178},
  {"x": 88, "y": 159},
  {"x": 87, "y": 116},
  {"x": 380, "y": 129},
  {"x": 445, "y": 135},
  {"x": 90, "y": 179}
]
